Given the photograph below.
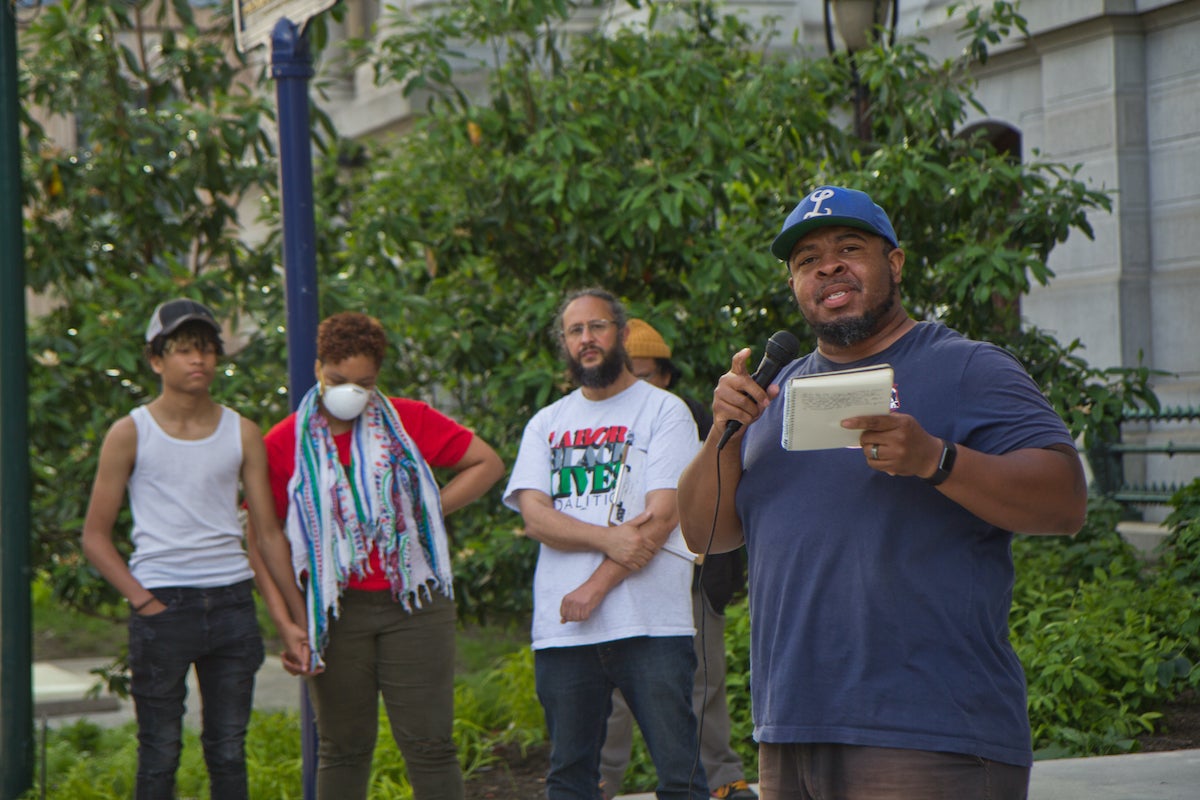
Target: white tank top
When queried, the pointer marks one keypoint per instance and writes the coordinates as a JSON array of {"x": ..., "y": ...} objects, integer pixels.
[{"x": 184, "y": 498}]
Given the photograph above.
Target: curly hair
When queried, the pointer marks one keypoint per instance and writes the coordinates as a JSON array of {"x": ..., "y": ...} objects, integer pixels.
[{"x": 350, "y": 334}]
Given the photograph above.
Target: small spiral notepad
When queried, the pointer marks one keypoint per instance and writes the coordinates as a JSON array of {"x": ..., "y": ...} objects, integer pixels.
[{"x": 815, "y": 405}]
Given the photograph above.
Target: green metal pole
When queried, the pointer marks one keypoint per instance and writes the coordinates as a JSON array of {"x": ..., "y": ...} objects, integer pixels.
[{"x": 16, "y": 639}]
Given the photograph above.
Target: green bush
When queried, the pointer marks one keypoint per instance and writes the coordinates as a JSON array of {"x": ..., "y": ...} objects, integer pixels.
[
  {"x": 493, "y": 566},
  {"x": 494, "y": 706},
  {"x": 1181, "y": 556},
  {"x": 737, "y": 684},
  {"x": 85, "y": 762},
  {"x": 1104, "y": 639}
]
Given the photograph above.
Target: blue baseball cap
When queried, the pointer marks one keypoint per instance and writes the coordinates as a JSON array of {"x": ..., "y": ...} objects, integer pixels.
[{"x": 832, "y": 205}]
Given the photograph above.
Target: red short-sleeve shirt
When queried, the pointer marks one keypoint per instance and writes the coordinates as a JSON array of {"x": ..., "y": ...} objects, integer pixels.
[{"x": 441, "y": 441}]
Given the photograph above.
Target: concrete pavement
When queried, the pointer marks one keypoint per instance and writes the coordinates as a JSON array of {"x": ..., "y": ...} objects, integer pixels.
[
  {"x": 60, "y": 688},
  {"x": 60, "y": 693}
]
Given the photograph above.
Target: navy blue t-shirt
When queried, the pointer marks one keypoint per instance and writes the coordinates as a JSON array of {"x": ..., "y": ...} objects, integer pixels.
[{"x": 879, "y": 607}]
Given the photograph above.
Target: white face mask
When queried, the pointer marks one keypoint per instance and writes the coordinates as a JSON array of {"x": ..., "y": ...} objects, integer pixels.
[{"x": 345, "y": 401}]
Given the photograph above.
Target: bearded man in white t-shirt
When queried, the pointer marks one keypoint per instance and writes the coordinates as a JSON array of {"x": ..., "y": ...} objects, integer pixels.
[{"x": 611, "y": 592}]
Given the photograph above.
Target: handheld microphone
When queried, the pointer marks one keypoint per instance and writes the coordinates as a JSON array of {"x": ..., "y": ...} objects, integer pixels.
[{"x": 782, "y": 348}]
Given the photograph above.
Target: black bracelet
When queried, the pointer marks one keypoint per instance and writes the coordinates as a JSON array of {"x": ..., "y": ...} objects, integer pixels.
[
  {"x": 138, "y": 609},
  {"x": 945, "y": 463}
]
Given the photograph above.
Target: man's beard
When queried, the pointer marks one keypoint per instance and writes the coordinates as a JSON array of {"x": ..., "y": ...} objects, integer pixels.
[
  {"x": 603, "y": 374},
  {"x": 847, "y": 332}
]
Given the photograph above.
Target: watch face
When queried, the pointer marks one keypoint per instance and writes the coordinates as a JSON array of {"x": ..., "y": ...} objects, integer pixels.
[{"x": 945, "y": 463}]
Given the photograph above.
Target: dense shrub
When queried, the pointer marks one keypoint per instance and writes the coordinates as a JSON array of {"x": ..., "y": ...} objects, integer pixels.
[
  {"x": 494, "y": 706},
  {"x": 1105, "y": 639},
  {"x": 1181, "y": 555}
]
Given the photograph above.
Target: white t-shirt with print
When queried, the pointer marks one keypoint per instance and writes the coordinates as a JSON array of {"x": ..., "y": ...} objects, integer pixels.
[{"x": 571, "y": 451}]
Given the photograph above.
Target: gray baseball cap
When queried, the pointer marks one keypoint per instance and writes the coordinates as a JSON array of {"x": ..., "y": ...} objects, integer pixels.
[{"x": 167, "y": 318}]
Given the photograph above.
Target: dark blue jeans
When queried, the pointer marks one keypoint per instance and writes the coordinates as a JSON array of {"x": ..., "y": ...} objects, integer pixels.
[
  {"x": 217, "y": 630},
  {"x": 575, "y": 684}
]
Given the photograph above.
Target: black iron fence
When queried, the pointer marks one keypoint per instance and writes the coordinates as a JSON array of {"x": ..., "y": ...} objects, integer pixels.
[{"x": 1121, "y": 468}]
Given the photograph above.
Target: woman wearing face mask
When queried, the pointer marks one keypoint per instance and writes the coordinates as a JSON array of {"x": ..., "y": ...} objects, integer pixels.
[{"x": 350, "y": 470}]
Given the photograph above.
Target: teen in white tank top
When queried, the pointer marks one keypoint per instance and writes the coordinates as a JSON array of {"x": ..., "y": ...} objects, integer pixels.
[{"x": 184, "y": 498}]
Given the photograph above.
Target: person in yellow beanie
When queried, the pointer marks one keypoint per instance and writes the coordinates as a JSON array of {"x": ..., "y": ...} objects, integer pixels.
[
  {"x": 645, "y": 342},
  {"x": 712, "y": 589}
]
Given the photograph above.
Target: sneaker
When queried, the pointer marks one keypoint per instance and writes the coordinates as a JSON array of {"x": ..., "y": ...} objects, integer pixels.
[{"x": 738, "y": 790}]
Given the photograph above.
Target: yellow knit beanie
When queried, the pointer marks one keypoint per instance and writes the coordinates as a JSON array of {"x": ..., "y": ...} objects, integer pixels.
[{"x": 645, "y": 342}]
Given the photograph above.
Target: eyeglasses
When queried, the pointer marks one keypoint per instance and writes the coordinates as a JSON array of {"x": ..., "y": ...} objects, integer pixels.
[{"x": 596, "y": 327}]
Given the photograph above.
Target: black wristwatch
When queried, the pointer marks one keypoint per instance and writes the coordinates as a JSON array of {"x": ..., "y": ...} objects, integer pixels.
[{"x": 945, "y": 463}]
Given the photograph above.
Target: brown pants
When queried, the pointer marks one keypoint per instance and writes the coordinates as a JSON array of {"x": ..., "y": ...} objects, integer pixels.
[{"x": 849, "y": 772}]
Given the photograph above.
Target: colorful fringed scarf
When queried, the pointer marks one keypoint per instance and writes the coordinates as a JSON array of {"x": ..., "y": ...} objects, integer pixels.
[{"x": 389, "y": 502}]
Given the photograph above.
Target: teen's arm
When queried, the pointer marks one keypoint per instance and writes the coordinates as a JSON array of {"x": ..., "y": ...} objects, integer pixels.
[
  {"x": 271, "y": 555},
  {"x": 117, "y": 456},
  {"x": 478, "y": 469}
]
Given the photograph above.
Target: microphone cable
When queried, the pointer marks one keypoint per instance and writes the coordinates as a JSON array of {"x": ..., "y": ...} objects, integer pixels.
[
  {"x": 781, "y": 349},
  {"x": 703, "y": 632}
]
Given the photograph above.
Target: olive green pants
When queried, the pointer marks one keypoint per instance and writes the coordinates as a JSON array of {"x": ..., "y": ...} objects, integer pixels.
[{"x": 376, "y": 648}]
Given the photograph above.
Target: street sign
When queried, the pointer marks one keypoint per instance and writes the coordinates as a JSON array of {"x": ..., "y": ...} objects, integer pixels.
[{"x": 254, "y": 20}]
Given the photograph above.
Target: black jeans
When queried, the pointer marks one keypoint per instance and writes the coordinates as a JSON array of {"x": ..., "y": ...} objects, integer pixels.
[{"x": 217, "y": 630}]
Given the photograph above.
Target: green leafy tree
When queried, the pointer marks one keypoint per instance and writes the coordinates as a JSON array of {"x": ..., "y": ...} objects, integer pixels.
[
  {"x": 144, "y": 207},
  {"x": 657, "y": 161}
]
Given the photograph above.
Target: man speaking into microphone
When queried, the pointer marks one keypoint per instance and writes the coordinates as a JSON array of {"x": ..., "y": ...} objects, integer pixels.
[{"x": 880, "y": 575}]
